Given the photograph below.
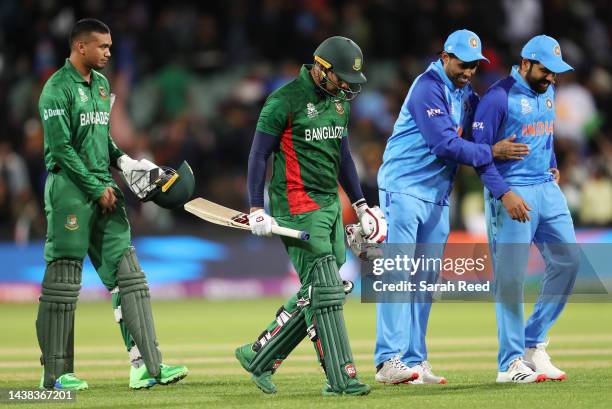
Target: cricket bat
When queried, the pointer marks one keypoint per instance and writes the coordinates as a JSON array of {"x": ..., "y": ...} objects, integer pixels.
[{"x": 215, "y": 213}]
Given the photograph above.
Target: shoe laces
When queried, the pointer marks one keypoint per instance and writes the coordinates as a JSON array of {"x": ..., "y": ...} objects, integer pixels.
[
  {"x": 520, "y": 366},
  {"x": 397, "y": 363}
]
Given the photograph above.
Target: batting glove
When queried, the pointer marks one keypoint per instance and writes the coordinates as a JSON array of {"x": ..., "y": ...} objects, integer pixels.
[
  {"x": 372, "y": 221},
  {"x": 261, "y": 223},
  {"x": 139, "y": 175}
]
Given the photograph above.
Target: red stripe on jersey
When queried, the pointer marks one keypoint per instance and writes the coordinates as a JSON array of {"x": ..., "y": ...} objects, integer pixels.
[{"x": 299, "y": 201}]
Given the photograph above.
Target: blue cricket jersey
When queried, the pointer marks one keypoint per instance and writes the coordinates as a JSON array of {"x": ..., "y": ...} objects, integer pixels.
[
  {"x": 510, "y": 107},
  {"x": 421, "y": 155}
]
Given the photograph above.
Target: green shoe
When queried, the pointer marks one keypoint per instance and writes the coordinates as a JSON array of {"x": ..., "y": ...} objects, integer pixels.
[
  {"x": 171, "y": 374},
  {"x": 244, "y": 355},
  {"x": 67, "y": 382},
  {"x": 354, "y": 388},
  {"x": 140, "y": 378}
]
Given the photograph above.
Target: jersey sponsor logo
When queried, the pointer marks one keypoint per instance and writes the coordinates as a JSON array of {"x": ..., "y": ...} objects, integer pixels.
[
  {"x": 94, "y": 118},
  {"x": 525, "y": 106},
  {"x": 549, "y": 103},
  {"x": 433, "y": 112},
  {"x": 339, "y": 108},
  {"x": 478, "y": 126},
  {"x": 324, "y": 132},
  {"x": 311, "y": 110},
  {"x": 84, "y": 97},
  {"x": 51, "y": 112},
  {"x": 538, "y": 128},
  {"x": 72, "y": 222}
]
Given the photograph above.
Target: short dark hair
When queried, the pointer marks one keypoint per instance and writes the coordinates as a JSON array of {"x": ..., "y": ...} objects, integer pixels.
[{"x": 86, "y": 26}]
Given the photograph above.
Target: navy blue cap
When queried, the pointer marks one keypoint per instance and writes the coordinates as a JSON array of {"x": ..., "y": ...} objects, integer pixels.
[
  {"x": 466, "y": 45},
  {"x": 547, "y": 51}
]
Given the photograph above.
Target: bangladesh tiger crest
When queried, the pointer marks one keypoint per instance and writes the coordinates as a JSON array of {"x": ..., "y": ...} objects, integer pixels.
[
  {"x": 71, "y": 222},
  {"x": 339, "y": 108},
  {"x": 102, "y": 92}
]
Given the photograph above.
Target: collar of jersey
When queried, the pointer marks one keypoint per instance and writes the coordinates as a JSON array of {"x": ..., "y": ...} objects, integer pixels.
[
  {"x": 308, "y": 83},
  {"x": 514, "y": 73},
  {"x": 75, "y": 74},
  {"x": 438, "y": 68}
]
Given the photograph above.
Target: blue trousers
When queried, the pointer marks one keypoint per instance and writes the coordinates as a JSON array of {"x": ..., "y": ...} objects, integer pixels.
[
  {"x": 551, "y": 229},
  {"x": 401, "y": 327}
]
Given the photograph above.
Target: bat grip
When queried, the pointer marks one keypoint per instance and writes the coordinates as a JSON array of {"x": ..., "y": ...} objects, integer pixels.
[{"x": 287, "y": 232}]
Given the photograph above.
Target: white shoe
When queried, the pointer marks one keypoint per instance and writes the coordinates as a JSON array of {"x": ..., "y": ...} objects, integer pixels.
[
  {"x": 541, "y": 361},
  {"x": 394, "y": 371},
  {"x": 426, "y": 376},
  {"x": 518, "y": 372}
]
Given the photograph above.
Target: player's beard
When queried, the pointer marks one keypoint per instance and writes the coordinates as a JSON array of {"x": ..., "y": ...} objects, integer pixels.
[{"x": 539, "y": 86}]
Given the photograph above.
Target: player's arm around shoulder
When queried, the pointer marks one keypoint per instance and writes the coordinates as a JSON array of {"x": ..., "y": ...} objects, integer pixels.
[{"x": 489, "y": 118}]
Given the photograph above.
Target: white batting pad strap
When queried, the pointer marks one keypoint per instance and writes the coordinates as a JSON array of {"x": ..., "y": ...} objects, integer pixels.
[
  {"x": 115, "y": 290},
  {"x": 134, "y": 353},
  {"x": 117, "y": 312}
]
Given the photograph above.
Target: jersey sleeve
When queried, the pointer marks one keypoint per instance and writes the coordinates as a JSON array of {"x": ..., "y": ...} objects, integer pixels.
[
  {"x": 114, "y": 152},
  {"x": 490, "y": 116},
  {"x": 348, "y": 178},
  {"x": 262, "y": 147},
  {"x": 429, "y": 109},
  {"x": 54, "y": 109},
  {"x": 273, "y": 116}
]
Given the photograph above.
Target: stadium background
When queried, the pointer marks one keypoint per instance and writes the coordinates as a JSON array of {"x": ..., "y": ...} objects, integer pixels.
[{"x": 191, "y": 79}]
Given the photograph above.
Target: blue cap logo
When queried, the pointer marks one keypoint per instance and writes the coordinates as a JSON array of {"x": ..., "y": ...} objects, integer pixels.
[
  {"x": 466, "y": 45},
  {"x": 547, "y": 51}
]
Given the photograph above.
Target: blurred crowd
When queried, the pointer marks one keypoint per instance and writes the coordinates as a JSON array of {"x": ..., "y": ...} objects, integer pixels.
[{"x": 191, "y": 78}]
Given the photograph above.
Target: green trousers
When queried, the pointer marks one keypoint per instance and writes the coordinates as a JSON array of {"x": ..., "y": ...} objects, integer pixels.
[
  {"x": 76, "y": 227},
  {"x": 326, "y": 237}
]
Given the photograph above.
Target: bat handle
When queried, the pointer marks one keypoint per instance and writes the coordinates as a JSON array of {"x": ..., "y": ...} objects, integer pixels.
[{"x": 287, "y": 232}]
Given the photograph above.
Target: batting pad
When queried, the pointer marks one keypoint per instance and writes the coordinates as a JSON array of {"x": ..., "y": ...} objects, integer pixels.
[
  {"x": 55, "y": 321},
  {"x": 273, "y": 347},
  {"x": 136, "y": 310},
  {"x": 328, "y": 331}
]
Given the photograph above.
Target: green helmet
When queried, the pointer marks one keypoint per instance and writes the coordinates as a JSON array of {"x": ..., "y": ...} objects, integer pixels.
[
  {"x": 343, "y": 56},
  {"x": 173, "y": 188}
]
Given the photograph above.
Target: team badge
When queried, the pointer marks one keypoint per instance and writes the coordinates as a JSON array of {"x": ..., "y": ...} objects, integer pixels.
[
  {"x": 557, "y": 51},
  {"x": 102, "y": 92},
  {"x": 549, "y": 103},
  {"x": 71, "y": 222},
  {"x": 357, "y": 64},
  {"x": 311, "y": 110},
  {"x": 339, "y": 108},
  {"x": 350, "y": 370},
  {"x": 473, "y": 42}
]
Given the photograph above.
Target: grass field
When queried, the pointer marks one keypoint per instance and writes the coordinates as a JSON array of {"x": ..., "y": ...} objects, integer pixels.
[{"x": 203, "y": 335}]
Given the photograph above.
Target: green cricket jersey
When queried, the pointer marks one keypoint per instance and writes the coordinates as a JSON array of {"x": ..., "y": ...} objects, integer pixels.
[
  {"x": 76, "y": 121},
  {"x": 310, "y": 125}
]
